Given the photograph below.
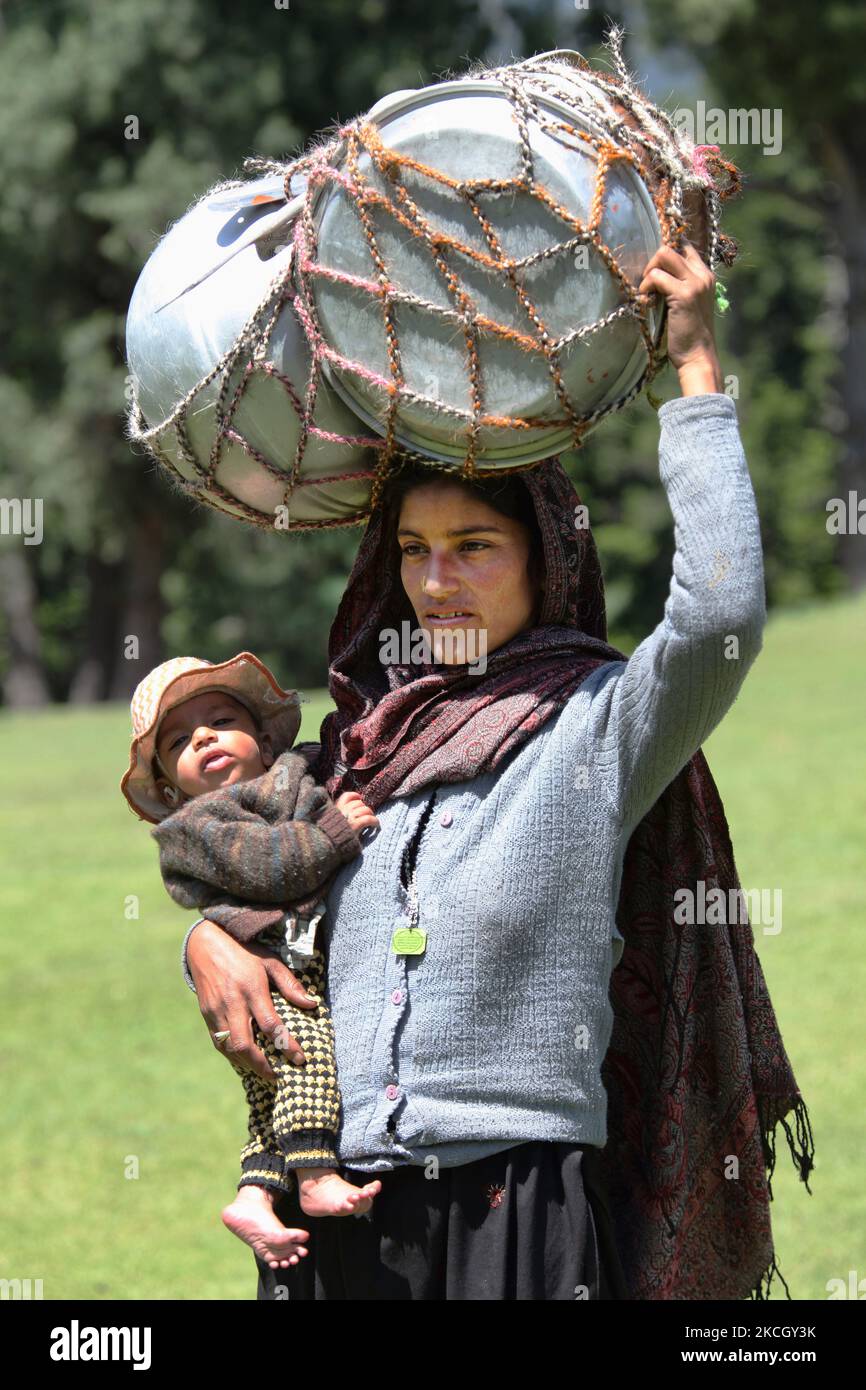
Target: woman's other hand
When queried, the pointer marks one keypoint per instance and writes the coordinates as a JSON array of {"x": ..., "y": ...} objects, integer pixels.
[
  {"x": 689, "y": 286},
  {"x": 233, "y": 984},
  {"x": 356, "y": 811}
]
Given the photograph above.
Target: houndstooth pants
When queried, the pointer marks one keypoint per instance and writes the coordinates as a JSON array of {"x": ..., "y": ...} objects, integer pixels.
[{"x": 293, "y": 1122}]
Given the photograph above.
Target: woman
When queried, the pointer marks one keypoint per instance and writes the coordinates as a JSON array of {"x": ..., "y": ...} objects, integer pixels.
[{"x": 547, "y": 1130}]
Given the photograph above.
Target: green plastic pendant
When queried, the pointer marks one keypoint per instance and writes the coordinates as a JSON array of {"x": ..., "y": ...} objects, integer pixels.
[{"x": 409, "y": 941}]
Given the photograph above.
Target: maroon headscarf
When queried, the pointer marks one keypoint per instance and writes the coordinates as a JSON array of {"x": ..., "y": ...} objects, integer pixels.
[{"x": 696, "y": 1072}]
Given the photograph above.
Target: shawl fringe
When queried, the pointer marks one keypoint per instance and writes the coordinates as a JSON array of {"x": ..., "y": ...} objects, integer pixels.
[{"x": 802, "y": 1148}]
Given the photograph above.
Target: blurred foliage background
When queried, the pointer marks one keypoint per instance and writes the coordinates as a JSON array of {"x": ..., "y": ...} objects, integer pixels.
[{"x": 212, "y": 82}]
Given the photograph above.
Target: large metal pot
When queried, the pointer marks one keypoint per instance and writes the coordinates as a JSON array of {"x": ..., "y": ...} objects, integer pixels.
[
  {"x": 248, "y": 253},
  {"x": 466, "y": 129}
]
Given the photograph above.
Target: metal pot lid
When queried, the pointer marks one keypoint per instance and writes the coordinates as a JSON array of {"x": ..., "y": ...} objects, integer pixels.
[{"x": 199, "y": 288}]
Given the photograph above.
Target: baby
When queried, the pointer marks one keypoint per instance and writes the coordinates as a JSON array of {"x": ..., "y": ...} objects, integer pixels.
[{"x": 243, "y": 832}]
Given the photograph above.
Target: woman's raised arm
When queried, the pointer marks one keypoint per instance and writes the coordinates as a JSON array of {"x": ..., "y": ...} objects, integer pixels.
[
  {"x": 651, "y": 714},
  {"x": 233, "y": 983}
]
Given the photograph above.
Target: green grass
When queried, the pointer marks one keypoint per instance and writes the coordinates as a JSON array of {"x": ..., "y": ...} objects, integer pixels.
[
  {"x": 107, "y": 1071},
  {"x": 790, "y": 763}
]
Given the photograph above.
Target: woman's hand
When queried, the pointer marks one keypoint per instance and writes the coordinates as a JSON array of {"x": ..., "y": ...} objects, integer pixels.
[
  {"x": 689, "y": 286},
  {"x": 356, "y": 811},
  {"x": 233, "y": 984}
]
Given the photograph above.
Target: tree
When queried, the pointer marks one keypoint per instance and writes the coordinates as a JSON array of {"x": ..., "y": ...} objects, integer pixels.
[
  {"x": 806, "y": 61},
  {"x": 128, "y": 111}
]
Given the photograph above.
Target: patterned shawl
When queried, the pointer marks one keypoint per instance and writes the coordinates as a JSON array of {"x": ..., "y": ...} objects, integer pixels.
[{"x": 696, "y": 1073}]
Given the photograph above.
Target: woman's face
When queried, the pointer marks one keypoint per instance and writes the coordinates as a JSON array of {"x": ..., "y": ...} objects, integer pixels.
[{"x": 460, "y": 555}]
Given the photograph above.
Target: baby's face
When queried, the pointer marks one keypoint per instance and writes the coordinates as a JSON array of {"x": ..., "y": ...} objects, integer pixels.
[{"x": 209, "y": 741}]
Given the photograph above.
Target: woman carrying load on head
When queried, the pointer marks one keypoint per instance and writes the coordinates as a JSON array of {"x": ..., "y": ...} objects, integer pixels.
[{"x": 551, "y": 1079}]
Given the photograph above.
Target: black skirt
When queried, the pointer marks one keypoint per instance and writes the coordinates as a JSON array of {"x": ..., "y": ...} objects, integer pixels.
[{"x": 529, "y": 1222}]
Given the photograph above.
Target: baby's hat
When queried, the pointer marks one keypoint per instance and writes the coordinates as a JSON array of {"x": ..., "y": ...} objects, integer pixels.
[{"x": 278, "y": 712}]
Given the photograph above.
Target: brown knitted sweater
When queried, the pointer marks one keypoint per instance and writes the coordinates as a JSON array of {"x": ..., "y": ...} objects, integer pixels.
[{"x": 242, "y": 854}]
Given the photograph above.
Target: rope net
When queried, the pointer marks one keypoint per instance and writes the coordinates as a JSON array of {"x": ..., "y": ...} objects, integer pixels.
[{"x": 634, "y": 132}]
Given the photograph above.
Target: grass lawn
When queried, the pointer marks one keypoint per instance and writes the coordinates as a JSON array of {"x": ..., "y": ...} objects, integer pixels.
[{"x": 122, "y": 1127}]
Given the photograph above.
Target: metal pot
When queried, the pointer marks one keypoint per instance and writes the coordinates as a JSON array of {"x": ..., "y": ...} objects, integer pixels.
[{"x": 466, "y": 129}]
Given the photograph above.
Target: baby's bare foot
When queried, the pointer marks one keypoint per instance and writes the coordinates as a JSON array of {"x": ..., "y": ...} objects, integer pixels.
[
  {"x": 251, "y": 1218},
  {"x": 324, "y": 1193}
]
